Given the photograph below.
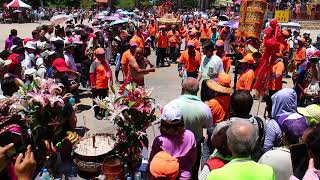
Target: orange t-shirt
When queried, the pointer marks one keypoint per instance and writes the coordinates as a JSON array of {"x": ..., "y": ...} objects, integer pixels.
[
  {"x": 277, "y": 70},
  {"x": 226, "y": 63},
  {"x": 152, "y": 29},
  {"x": 196, "y": 43},
  {"x": 191, "y": 64},
  {"x": 138, "y": 40},
  {"x": 125, "y": 62},
  {"x": 246, "y": 80},
  {"x": 219, "y": 108},
  {"x": 205, "y": 33},
  {"x": 162, "y": 41},
  {"x": 300, "y": 55}
]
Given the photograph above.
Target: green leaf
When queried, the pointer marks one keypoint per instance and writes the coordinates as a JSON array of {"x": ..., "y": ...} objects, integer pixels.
[
  {"x": 131, "y": 103},
  {"x": 113, "y": 90}
]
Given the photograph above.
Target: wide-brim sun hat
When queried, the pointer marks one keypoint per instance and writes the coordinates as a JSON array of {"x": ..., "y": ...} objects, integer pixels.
[
  {"x": 312, "y": 112},
  {"x": 221, "y": 84}
]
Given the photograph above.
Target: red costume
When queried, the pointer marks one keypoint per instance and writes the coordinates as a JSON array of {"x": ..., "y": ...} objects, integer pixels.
[{"x": 271, "y": 43}]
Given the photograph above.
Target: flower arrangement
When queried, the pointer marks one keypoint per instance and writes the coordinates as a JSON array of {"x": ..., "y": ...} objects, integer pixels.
[
  {"x": 41, "y": 110},
  {"x": 133, "y": 112}
]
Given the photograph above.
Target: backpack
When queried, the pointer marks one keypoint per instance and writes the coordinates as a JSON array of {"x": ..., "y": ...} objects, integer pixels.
[{"x": 258, "y": 149}]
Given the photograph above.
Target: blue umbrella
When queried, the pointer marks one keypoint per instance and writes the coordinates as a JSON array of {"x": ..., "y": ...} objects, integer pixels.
[{"x": 121, "y": 21}]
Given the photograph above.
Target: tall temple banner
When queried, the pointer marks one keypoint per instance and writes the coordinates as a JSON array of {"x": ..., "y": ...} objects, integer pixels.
[{"x": 252, "y": 17}]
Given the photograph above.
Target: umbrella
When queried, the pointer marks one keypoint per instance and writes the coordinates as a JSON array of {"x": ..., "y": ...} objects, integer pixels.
[
  {"x": 121, "y": 21},
  {"x": 18, "y": 4},
  {"x": 223, "y": 18},
  {"x": 100, "y": 16},
  {"x": 105, "y": 12},
  {"x": 111, "y": 18},
  {"x": 127, "y": 13},
  {"x": 55, "y": 20},
  {"x": 230, "y": 24},
  {"x": 117, "y": 15}
]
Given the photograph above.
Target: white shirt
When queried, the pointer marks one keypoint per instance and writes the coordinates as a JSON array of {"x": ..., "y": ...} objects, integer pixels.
[
  {"x": 211, "y": 67},
  {"x": 27, "y": 62},
  {"x": 280, "y": 160},
  {"x": 69, "y": 59}
]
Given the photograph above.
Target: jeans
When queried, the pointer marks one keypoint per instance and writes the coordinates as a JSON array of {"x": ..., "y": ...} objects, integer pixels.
[
  {"x": 173, "y": 54},
  {"x": 161, "y": 54},
  {"x": 196, "y": 166}
]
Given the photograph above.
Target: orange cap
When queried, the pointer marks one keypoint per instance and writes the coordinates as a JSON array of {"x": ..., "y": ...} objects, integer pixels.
[
  {"x": 248, "y": 59},
  {"x": 99, "y": 51},
  {"x": 224, "y": 79},
  {"x": 164, "y": 165},
  {"x": 285, "y": 33},
  {"x": 219, "y": 43}
]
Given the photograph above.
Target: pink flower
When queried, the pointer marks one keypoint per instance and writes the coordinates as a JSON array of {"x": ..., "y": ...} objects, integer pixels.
[
  {"x": 37, "y": 97},
  {"x": 56, "y": 100}
]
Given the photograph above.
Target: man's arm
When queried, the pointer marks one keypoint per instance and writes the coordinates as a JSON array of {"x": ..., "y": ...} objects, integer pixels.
[{"x": 133, "y": 63}]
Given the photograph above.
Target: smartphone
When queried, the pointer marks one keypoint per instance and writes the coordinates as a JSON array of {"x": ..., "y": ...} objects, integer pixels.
[
  {"x": 16, "y": 139},
  {"x": 299, "y": 159}
]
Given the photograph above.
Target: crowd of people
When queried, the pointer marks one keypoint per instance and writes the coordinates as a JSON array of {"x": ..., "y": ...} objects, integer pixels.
[{"x": 206, "y": 133}]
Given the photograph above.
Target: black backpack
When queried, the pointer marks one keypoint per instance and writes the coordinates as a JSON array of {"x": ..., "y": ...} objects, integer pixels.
[{"x": 258, "y": 149}]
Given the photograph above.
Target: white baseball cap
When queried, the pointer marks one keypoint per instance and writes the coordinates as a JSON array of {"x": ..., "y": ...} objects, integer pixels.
[
  {"x": 171, "y": 113},
  {"x": 31, "y": 45}
]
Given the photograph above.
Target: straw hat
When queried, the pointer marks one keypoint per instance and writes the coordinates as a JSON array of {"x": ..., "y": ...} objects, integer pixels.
[
  {"x": 312, "y": 112},
  {"x": 248, "y": 59},
  {"x": 221, "y": 84}
]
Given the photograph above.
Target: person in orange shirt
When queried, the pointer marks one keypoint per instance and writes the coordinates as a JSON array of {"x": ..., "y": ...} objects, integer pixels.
[
  {"x": 219, "y": 94},
  {"x": 246, "y": 79},
  {"x": 193, "y": 37},
  {"x": 138, "y": 38},
  {"x": 191, "y": 59},
  {"x": 100, "y": 78},
  {"x": 220, "y": 52},
  {"x": 127, "y": 55},
  {"x": 162, "y": 41},
  {"x": 174, "y": 43},
  {"x": 205, "y": 32},
  {"x": 300, "y": 55},
  {"x": 153, "y": 29},
  {"x": 275, "y": 82}
]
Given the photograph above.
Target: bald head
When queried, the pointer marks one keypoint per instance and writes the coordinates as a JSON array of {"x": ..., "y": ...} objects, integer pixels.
[
  {"x": 139, "y": 50},
  {"x": 242, "y": 137},
  {"x": 190, "y": 86}
]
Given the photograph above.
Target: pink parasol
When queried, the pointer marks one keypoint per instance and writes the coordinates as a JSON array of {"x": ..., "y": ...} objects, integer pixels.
[{"x": 18, "y": 4}]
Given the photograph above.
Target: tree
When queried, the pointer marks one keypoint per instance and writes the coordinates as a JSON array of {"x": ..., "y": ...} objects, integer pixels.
[
  {"x": 145, "y": 3},
  {"x": 190, "y": 3},
  {"x": 125, "y": 4},
  {"x": 86, "y": 4}
]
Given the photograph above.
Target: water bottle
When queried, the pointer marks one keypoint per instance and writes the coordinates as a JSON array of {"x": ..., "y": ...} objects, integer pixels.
[
  {"x": 137, "y": 176},
  {"x": 45, "y": 174},
  {"x": 72, "y": 101}
]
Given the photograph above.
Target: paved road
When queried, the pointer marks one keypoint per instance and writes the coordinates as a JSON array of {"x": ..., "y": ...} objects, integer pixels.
[{"x": 165, "y": 82}]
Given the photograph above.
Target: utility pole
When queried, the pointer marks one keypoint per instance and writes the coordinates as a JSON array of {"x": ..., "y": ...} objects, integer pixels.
[
  {"x": 137, "y": 4},
  {"x": 41, "y": 3}
]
